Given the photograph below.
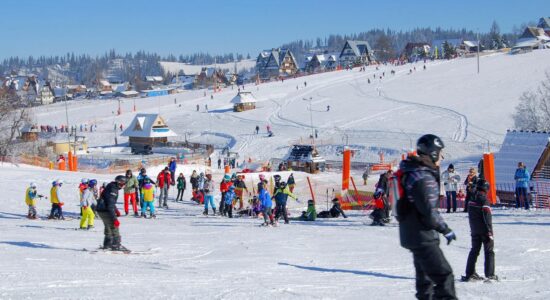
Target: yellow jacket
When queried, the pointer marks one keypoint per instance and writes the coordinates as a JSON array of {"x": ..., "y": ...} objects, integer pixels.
[
  {"x": 30, "y": 196},
  {"x": 54, "y": 195},
  {"x": 148, "y": 193}
]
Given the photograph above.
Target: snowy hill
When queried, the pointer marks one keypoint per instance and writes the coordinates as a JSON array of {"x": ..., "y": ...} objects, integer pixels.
[{"x": 448, "y": 98}]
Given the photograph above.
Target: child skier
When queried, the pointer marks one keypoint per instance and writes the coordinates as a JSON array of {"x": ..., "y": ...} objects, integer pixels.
[
  {"x": 281, "y": 195},
  {"x": 86, "y": 203},
  {"x": 30, "y": 196},
  {"x": 481, "y": 227},
  {"x": 181, "y": 187},
  {"x": 310, "y": 214},
  {"x": 229, "y": 197},
  {"x": 55, "y": 199},
  {"x": 377, "y": 214},
  {"x": 267, "y": 204},
  {"x": 148, "y": 195},
  {"x": 291, "y": 182}
]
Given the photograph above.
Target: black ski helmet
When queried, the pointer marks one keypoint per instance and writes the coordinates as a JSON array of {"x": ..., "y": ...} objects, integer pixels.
[
  {"x": 277, "y": 177},
  {"x": 482, "y": 185},
  {"x": 430, "y": 145},
  {"x": 121, "y": 180},
  {"x": 282, "y": 184}
]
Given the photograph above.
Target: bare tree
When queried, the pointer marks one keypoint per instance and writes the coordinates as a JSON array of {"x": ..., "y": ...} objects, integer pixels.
[
  {"x": 12, "y": 118},
  {"x": 533, "y": 110}
]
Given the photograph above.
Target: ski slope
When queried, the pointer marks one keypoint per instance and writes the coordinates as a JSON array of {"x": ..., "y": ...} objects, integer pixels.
[
  {"x": 188, "y": 256},
  {"x": 449, "y": 98}
]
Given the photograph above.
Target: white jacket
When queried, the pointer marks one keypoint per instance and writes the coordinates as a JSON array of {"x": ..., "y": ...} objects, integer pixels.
[
  {"x": 450, "y": 181},
  {"x": 88, "y": 198}
]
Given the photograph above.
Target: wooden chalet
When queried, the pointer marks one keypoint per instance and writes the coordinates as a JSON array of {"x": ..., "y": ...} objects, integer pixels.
[
  {"x": 356, "y": 53},
  {"x": 280, "y": 63},
  {"x": 243, "y": 101},
  {"x": 146, "y": 131}
]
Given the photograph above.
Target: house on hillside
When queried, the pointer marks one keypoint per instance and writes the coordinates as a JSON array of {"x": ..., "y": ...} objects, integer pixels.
[
  {"x": 544, "y": 23},
  {"x": 210, "y": 78},
  {"x": 533, "y": 149},
  {"x": 356, "y": 53},
  {"x": 437, "y": 49},
  {"x": 532, "y": 38},
  {"x": 45, "y": 94},
  {"x": 470, "y": 46},
  {"x": 243, "y": 101},
  {"x": 261, "y": 60},
  {"x": 104, "y": 86},
  {"x": 415, "y": 51},
  {"x": 320, "y": 63},
  {"x": 280, "y": 63},
  {"x": 146, "y": 131}
]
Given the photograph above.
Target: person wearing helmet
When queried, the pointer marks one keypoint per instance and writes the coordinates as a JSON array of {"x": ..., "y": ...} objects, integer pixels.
[
  {"x": 420, "y": 221},
  {"x": 228, "y": 199},
  {"x": 30, "y": 199},
  {"x": 481, "y": 228},
  {"x": 130, "y": 190},
  {"x": 106, "y": 208},
  {"x": 277, "y": 179},
  {"x": 55, "y": 200},
  {"x": 208, "y": 190},
  {"x": 141, "y": 179},
  {"x": 148, "y": 195},
  {"x": 281, "y": 195},
  {"x": 224, "y": 188},
  {"x": 86, "y": 203}
]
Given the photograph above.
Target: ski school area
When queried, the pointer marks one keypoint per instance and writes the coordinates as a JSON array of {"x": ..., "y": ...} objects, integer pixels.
[{"x": 178, "y": 251}]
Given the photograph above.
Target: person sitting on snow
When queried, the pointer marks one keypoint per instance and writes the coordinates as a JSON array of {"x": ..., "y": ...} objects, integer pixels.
[
  {"x": 310, "y": 214},
  {"x": 253, "y": 210},
  {"x": 377, "y": 214},
  {"x": 334, "y": 212}
]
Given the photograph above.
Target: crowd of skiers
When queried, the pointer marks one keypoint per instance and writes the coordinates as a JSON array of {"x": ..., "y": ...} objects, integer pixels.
[{"x": 416, "y": 194}]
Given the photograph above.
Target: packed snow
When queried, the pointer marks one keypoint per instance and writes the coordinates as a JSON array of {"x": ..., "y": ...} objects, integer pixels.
[{"x": 183, "y": 254}]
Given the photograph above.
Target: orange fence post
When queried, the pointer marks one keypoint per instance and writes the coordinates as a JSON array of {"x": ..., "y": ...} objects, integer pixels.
[
  {"x": 311, "y": 190},
  {"x": 70, "y": 160},
  {"x": 227, "y": 169},
  {"x": 75, "y": 163},
  {"x": 346, "y": 166},
  {"x": 51, "y": 165},
  {"x": 61, "y": 165},
  {"x": 489, "y": 172}
]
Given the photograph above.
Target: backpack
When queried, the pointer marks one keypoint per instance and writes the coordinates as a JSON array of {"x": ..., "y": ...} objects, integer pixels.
[{"x": 398, "y": 196}]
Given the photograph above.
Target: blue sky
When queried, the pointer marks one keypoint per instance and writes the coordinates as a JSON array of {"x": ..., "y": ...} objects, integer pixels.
[{"x": 56, "y": 27}]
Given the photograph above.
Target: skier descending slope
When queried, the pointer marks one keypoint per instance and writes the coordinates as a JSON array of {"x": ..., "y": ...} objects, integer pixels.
[
  {"x": 106, "y": 207},
  {"x": 420, "y": 222}
]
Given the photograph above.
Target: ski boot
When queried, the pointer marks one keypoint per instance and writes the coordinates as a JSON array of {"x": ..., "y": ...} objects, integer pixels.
[
  {"x": 136, "y": 214},
  {"x": 90, "y": 227},
  {"x": 491, "y": 278},
  {"x": 205, "y": 213},
  {"x": 473, "y": 277},
  {"x": 153, "y": 216},
  {"x": 214, "y": 210},
  {"x": 143, "y": 215}
]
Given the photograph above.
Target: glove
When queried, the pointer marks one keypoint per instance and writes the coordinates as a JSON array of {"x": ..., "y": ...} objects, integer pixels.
[
  {"x": 117, "y": 213},
  {"x": 450, "y": 236},
  {"x": 116, "y": 223}
]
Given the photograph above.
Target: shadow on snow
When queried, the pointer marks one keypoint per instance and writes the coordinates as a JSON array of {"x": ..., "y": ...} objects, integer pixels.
[{"x": 366, "y": 273}]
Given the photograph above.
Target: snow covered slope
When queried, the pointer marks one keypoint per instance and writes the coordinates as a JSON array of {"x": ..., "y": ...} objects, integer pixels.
[
  {"x": 448, "y": 98},
  {"x": 188, "y": 256}
]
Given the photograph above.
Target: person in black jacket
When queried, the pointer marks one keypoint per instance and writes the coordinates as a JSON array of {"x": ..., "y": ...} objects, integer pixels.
[
  {"x": 106, "y": 207},
  {"x": 334, "y": 212},
  {"x": 470, "y": 183},
  {"x": 481, "y": 227},
  {"x": 383, "y": 187},
  {"x": 420, "y": 221}
]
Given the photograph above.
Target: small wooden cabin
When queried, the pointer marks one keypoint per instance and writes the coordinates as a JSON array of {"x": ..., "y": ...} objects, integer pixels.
[
  {"x": 145, "y": 131},
  {"x": 243, "y": 101}
]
